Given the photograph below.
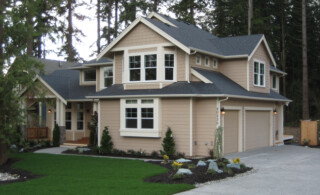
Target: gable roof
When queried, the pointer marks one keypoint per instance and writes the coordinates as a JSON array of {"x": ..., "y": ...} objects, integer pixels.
[
  {"x": 274, "y": 69},
  {"x": 220, "y": 86}
]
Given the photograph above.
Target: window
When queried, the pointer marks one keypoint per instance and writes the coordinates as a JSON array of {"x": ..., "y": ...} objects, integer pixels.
[
  {"x": 89, "y": 75},
  {"x": 79, "y": 106},
  {"x": 108, "y": 76},
  {"x": 207, "y": 60},
  {"x": 150, "y": 65},
  {"x": 79, "y": 120},
  {"x": 259, "y": 74},
  {"x": 198, "y": 59},
  {"x": 169, "y": 66},
  {"x": 135, "y": 68},
  {"x": 274, "y": 81},
  {"x": 215, "y": 63},
  {"x": 68, "y": 120},
  {"x": 146, "y": 118},
  {"x": 131, "y": 118},
  {"x": 69, "y": 105}
]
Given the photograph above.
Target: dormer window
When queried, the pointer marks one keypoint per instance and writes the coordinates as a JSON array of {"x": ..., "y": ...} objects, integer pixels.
[
  {"x": 259, "y": 74},
  {"x": 198, "y": 59},
  {"x": 89, "y": 75}
]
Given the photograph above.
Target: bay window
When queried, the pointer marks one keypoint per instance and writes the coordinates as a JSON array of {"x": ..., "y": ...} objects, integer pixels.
[
  {"x": 259, "y": 74},
  {"x": 135, "y": 68},
  {"x": 150, "y": 65}
]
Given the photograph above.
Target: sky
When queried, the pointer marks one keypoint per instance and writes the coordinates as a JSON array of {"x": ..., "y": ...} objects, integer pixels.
[{"x": 89, "y": 28}]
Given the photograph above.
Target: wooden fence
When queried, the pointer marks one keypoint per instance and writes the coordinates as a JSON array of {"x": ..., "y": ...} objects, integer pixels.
[
  {"x": 309, "y": 132},
  {"x": 37, "y": 133}
]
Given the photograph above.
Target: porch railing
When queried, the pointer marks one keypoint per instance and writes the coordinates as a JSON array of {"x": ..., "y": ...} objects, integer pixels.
[{"x": 37, "y": 133}]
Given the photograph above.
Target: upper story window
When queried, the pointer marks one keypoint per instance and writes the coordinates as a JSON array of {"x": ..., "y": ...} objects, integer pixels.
[
  {"x": 198, "y": 59},
  {"x": 274, "y": 82},
  {"x": 207, "y": 61},
  {"x": 169, "y": 66},
  {"x": 89, "y": 75},
  {"x": 135, "y": 68},
  {"x": 108, "y": 76},
  {"x": 215, "y": 63},
  {"x": 259, "y": 74},
  {"x": 150, "y": 65}
]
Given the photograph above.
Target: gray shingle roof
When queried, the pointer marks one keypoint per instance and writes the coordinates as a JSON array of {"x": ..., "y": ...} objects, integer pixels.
[
  {"x": 100, "y": 61},
  {"x": 193, "y": 37},
  {"x": 221, "y": 85},
  {"x": 66, "y": 83},
  {"x": 274, "y": 69}
]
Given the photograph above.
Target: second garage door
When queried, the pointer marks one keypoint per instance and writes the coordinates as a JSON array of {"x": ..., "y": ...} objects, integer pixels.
[
  {"x": 231, "y": 129},
  {"x": 257, "y": 129}
]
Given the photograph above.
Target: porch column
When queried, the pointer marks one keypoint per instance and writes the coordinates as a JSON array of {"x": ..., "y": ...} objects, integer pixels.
[{"x": 60, "y": 116}]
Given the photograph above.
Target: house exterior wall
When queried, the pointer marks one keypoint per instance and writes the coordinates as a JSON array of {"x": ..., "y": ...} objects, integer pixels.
[
  {"x": 260, "y": 54},
  {"x": 204, "y": 125},
  {"x": 181, "y": 65},
  {"x": 174, "y": 113},
  {"x": 142, "y": 86},
  {"x": 236, "y": 70},
  {"x": 117, "y": 72}
]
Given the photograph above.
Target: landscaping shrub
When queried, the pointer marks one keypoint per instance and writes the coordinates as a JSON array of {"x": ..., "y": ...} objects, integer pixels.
[
  {"x": 93, "y": 129},
  {"x": 106, "y": 143},
  {"x": 119, "y": 152},
  {"x": 154, "y": 154},
  {"x": 178, "y": 176},
  {"x": 176, "y": 165},
  {"x": 211, "y": 172},
  {"x": 56, "y": 136},
  {"x": 168, "y": 144},
  {"x": 191, "y": 166},
  {"x": 180, "y": 155}
]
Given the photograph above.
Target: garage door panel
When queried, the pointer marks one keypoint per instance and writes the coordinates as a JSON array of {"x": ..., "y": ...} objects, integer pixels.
[
  {"x": 257, "y": 129},
  {"x": 231, "y": 126}
]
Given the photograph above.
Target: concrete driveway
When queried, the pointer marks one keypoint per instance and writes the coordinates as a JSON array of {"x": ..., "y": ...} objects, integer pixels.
[{"x": 277, "y": 170}]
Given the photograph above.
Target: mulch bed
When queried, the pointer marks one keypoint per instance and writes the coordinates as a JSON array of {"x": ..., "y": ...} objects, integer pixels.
[
  {"x": 24, "y": 175},
  {"x": 199, "y": 174}
]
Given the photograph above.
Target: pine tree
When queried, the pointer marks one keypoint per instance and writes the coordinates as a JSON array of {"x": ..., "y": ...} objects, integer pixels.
[
  {"x": 168, "y": 144},
  {"x": 106, "y": 143}
]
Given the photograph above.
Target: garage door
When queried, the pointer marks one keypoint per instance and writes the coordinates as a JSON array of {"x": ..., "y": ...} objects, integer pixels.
[
  {"x": 257, "y": 129},
  {"x": 231, "y": 126}
]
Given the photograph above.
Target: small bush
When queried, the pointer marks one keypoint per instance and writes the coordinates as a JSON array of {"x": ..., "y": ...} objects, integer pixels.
[
  {"x": 228, "y": 170},
  {"x": 56, "y": 136},
  {"x": 132, "y": 152},
  {"x": 119, "y": 152},
  {"x": 168, "y": 144},
  {"x": 154, "y": 154},
  {"x": 191, "y": 166},
  {"x": 242, "y": 166},
  {"x": 178, "y": 176},
  {"x": 106, "y": 143},
  {"x": 180, "y": 155},
  {"x": 211, "y": 172},
  {"x": 141, "y": 153}
]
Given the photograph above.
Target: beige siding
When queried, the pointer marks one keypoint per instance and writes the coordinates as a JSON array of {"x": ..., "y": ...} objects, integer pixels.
[
  {"x": 142, "y": 50},
  {"x": 181, "y": 65},
  {"x": 173, "y": 48},
  {"x": 174, "y": 112},
  {"x": 204, "y": 125},
  {"x": 231, "y": 129},
  {"x": 98, "y": 79},
  {"x": 141, "y": 35},
  {"x": 262, "y": 55},
  {"x": 193, "y": 63},
  {"x": 194, "y": 79},
  {"x": 118, "y": 57},
  {"x": 142, "y": 86},
  {"x": 257, "y": 129},
  {"x": 236, "y": 70}
]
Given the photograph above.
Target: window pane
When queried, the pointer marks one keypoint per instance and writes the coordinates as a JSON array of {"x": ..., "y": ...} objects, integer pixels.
[
  {"x": 68, "y": 125},
  {"x": 150, "y": 60},
  {"x": 131, "y": 101},
  {"x": 90, "y": 75},
  {"x": 261, "y": 80},
  {"x": 135, "y": 75},
  {"x": 151, "y": 74},
  {"x": 215, "y": 63},
  {"x": 80, "y": 125},
  {"x": 134, "y": 61},
  {"x": 131, "y": 112},
  {"x": 147, "y": 112},
  {"x": 256, "y": 79},
  {"x": 169, "y": 60},
  {"x": 79, "y": 106},
  {"x": 146, "y": 101},
  {"x": 256, "y": 67},
  {"x": 108, "y": 82},
  {"x": 169, "y": 74},
  {"x": 80, "y": 116},
  {"x": 274, "y": 81},
  {"x": 131, "y": 123},
  {"x": 69, "y": 105},
  {"x": 68, "y": 115},
  {"x": 108, "y": 71},
  {"x": 261, "y": 68},
  {"x": 147, "y": 123}
]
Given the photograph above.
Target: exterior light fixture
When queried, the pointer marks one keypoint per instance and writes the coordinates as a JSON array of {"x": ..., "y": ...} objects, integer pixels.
[
  {"x": 275, "y": 112},
  {"x": 223, "y": 112},
  {"x": 49, "y": 111}
]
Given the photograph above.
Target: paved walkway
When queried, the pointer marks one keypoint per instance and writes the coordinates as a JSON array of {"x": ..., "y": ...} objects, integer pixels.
[
  {"x": 54, "y": 150},
  {"x": 277, "y": 170}
]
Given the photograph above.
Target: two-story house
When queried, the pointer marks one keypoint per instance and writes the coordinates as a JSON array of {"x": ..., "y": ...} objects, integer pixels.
[{"x": 161, "y": 72}]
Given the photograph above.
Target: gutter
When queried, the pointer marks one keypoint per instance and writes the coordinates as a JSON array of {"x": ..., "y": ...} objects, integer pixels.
[
  {"x": 219, "y": 110},
  {"x": 218, "y": 55}
]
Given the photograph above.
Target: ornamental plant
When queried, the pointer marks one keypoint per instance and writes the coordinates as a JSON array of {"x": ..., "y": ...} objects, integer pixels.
[
  {"x": 56, "y": 136},
  {"x": 236, "y": 160},
  {"x": 176, "y": 165},
  {"x": 168, "y": 144},
  {"x": 106, "y": 143}
]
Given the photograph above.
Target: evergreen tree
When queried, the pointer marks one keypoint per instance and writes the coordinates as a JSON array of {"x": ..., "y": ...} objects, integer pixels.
[
  {"x": 56, "y": 135},
  {"x": 93, "y": 129},
  {"x": 106, "y": 145},
  {"x": 168, "y": 144}
]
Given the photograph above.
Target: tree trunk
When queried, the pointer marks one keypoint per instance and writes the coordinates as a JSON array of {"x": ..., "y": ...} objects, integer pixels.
[
  {"x": 1, "y": 37},
  {"x": 3, "y": 153},
  {"x": 250, "y": 15},
  {"x": 109, "y": 21},
  {"x": 116, "y": 4},
  {"x": 98, "y": 26},
  {"x": 283, "y": 51},
  {"x": 155, "y": 5},
  {"x": 70, "y": 33},
  {"x": 305, "y": 96},
  {"x": 29, "y": 34},
  {"x": 192, "y": 11}
]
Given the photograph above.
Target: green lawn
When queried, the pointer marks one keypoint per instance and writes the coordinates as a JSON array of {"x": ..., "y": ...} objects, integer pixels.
[{"x": 87, "y": 175}]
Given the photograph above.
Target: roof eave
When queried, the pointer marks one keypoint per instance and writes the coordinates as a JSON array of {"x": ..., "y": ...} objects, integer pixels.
[{"x": 219, "y": 55}]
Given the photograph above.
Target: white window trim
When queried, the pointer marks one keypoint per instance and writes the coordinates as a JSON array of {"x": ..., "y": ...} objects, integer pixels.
[
  {"x": 160, "y": 66},
  {"x": 88, "y": 82},
  {"x": 198, "y": 55},
  {"x": 215, "y": 63},
  {"x": 139, "y": 132},
  {"x": 259, "y": 74},
  {"x": 277, "y": 82},
  {"x": 205, "y": 61}
]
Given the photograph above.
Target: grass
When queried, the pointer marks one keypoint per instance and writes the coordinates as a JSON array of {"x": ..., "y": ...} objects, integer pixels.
[{"x": 88, "y": 175}]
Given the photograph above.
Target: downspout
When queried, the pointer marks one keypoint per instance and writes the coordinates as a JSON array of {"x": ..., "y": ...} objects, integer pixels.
[{"x": 219, "y": 108}]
